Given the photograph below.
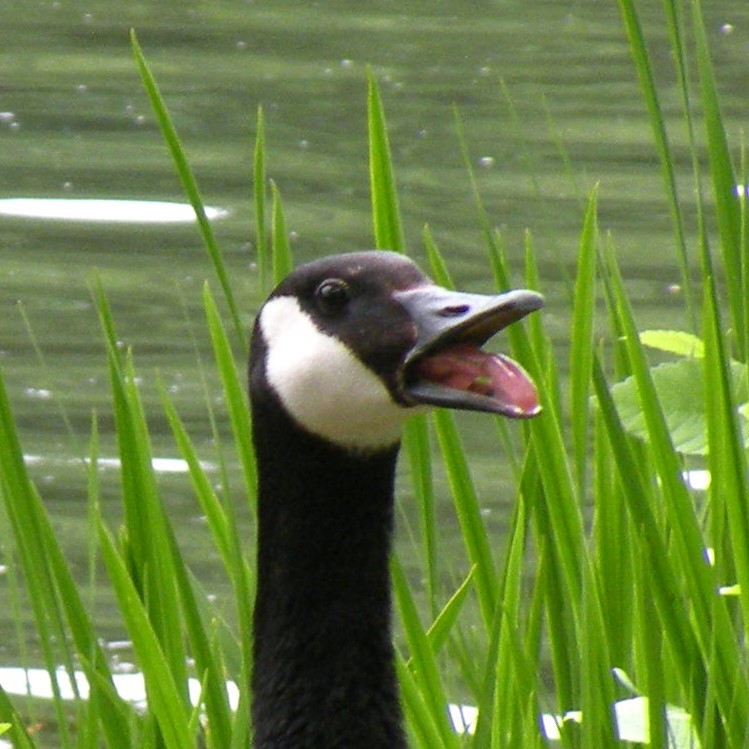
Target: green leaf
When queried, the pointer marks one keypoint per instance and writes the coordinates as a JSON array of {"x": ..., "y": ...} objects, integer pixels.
[
  {"x": 468, "y": 510},
  {"x": 234, "y": 393},
  {"x": 281, "y": 259},
  {"x": 649, "y": 90},
  {"x": 423, "y": 661},
  {"x": 417, "y": 451},
  {"x": 440, "y": 271},
  {"x": 717, "y": 668},
  {"x": 165, "y": 695},
  {"x": 261, "y": 241},
  {"x": 726, "y": 203},
  {"x": 189, "y": 183},
  {"x": 581, "y": 343},
  {"x": 419, "y": 716},
  {"x": 388, "y": 230},
  {"x": 53, "y": 593},
  {"x": 445, "y": 621},
  {"x": 681, "y": 391},
  {"x": 676, "y": 342},
  {"x": 16, "y": 726}
]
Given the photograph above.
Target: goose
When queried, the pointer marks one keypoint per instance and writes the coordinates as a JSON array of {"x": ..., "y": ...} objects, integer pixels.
[{"x": 343, "y": 351}]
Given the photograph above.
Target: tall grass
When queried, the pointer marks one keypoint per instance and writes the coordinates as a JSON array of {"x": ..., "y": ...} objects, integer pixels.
[{"x": 576, "y": 618}]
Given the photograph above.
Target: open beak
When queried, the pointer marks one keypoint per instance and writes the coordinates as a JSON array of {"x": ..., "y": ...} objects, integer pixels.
[{"x": 447, "y": 367}]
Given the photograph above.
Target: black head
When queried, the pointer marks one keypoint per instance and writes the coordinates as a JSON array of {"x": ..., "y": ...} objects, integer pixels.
[{"x": 351, "y": 343}]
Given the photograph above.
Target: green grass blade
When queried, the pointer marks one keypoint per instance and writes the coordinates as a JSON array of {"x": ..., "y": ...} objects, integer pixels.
[
  {"x": 54, "y": 594},
  {"x": 553, "y": 495},
  {"x": 483, "y": 216},
  {"x": 639, "y": 499},
  {"x": 692, "y": 640},
  {"x": 261, "y": 240},
  {"x": 148, "y": 533},
  {"x": 235, "y": 394},
  {"x": 421, "y": 458},
  {"x": 422, "y": 663},
  {"x": 215, "y": 700},
  {"x": 469, "y": 512},
  {"x": 597, "y": 686},
  {"x": 40, "y": 558},
  {"x": 727, "y": 457},
  {"x": 612, "y": 549},
  {"x": 417, "y": 449},
  {"x": 558, "y": 499},
  {"x": 727, "y": 209},
  {"x": 502, "y": 683},
  {"x": 440, "y": 271},
  {"x": 710, "y": 617},
  {"x": 238, "y": 409},
  {"x": 649, "y": 641},
  {"x": 189, "y": 183},
  {"x": 281, "y": 259},
  {"x": 165, "y": 696},
  {"x": 117, "y": 718},
  {"x": 224, "y": 528},
  {"x": 643, "y": 67},
  {"x": 419, "y": 717},
  {"x": 17, "y": 732},
  {"x": 446, "y": 620},
  {"x": 387, "y": 224},
  {"x": 213, "y": 510},
  {"x": 581, "y": 343}
]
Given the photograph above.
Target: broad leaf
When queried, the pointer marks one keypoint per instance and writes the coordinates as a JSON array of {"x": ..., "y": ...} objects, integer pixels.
[
  {"x": 681, "y": 390},
  {"x": 674, "y": 342}
]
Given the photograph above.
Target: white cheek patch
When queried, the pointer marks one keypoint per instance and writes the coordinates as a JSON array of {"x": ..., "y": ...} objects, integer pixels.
[{"x": 323, "y": 385}]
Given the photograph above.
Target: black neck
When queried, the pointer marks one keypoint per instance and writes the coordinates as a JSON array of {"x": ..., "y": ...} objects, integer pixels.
[{"x": 323, "y": 672}]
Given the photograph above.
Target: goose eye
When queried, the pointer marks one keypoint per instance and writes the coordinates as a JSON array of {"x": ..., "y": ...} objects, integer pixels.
[{"x": 332, "y": 295}]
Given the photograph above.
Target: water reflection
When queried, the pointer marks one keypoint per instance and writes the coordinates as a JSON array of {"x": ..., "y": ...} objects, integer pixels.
[
  {"x": 105, "y": 211},
  {"x": 159, "y": 465},
  {"x": 630, "y": 714}
]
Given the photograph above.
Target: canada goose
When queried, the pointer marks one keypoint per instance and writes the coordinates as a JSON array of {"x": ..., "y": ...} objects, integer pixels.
[{"x": 342, "y": 352}]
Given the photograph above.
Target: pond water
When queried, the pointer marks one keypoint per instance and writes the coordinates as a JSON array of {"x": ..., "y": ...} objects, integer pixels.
[{"x": 550, "y": 107}]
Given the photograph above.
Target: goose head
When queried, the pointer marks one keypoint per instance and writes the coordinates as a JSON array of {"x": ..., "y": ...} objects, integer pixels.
[{"x": 351, "y": 345}]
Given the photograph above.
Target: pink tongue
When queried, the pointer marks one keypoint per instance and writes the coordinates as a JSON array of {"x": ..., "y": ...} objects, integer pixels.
[{"x": 466, "y": 367}]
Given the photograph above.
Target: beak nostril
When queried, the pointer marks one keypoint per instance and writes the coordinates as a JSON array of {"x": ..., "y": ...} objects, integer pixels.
[{"x": 455, "y": 310}]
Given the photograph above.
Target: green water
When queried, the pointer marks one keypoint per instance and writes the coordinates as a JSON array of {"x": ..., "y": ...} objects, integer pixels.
[{"x": 550, "y": 107}]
